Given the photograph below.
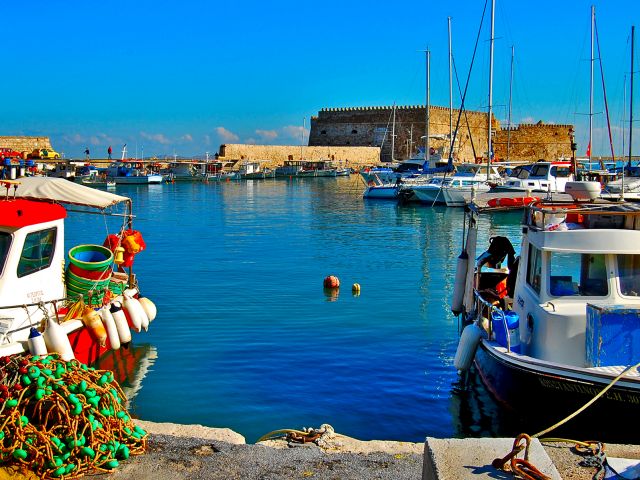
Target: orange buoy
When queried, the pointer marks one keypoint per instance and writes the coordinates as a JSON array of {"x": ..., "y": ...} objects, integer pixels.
[{"x": 331, "y": 282}]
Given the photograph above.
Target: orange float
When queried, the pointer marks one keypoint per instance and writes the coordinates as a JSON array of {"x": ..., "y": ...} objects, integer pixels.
[{"x": 331, "y": 282}]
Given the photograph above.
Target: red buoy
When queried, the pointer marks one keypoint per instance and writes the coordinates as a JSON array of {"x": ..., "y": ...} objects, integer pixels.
[{"x": 331, "y": 282}]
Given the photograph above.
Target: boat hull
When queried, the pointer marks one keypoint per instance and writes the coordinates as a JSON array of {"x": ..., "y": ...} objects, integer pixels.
[
  {"x": 139, "y": 180},
  {"x": 382, "y": 192},
  {"x": 549, "y": 393}
]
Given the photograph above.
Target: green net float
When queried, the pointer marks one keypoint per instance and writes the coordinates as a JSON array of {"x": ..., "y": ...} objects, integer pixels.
[
  {"x": 88, "y": 452},
  {"x": 48, "y": 390},
  {"x": 11, "y": 403},
  {"x": 91, "y": 417},
  {"x": 114, "y": 392},
  {"x": 47, "y": 371},
  {"x": 24, "y": 421},
  {"x": 103, "y": 448},
  {"x": 126, "y": 418},
  {"x": 66, "y": 456},
  {"x": 25, "y": 380},
  {"x": 82, "y": 386},
  {"x": 77, "y": 410},
  {"x": 139, "y": 430},
  {"x": 73, "y": 398},
  {"x": 81, "y": 441},
  {"x": 127, "y": 430},
  {"x": 2, "y": 435},
  {"x": 58, "y": 472},
  {"x": 39, "y": 395},
  {"x": 121, "y": 414},
  {"x": 55, "y": 441},
  {"x": 110, "y": 464},
  {"x": 102, "y": 380},
  {"x": 90, "y": 392},
  {"x": 105, "y": 412},
  {"x": 45, "y": 361},
  {"x": 41, "y": 381},
  {"x": 69, "y": 468},
  {"x": 123, "y": 452},
  {"x": 55, "y": 462},
  {"x": 19, "y": 454},
  {"x": 35, "y": 358},
  {"x": 33, "y": 372},
  {"x": 98, "y": 425},
  {"x": 93, "y": 401}
]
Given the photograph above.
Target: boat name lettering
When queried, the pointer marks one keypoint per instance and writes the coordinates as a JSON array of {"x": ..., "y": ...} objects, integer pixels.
[
  {"x": 35, "y": 296},
  {"x": 588, "y": 390}
]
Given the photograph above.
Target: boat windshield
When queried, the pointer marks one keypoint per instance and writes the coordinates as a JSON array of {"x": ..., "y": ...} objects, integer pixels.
[
  {"x": 5, "y": 244},
  {"x": 578, "y": 274},
  {"x": 628, "y": 272}
]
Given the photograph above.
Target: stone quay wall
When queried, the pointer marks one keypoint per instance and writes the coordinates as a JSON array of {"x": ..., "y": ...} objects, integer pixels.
[
  {"x": 25, "y": 144},
  {"x": 373, "y": 126},
  {"x": 274, "y": 155}
]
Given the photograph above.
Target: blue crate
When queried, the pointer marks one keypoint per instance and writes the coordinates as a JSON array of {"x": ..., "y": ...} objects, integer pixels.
[{"x": 613, "y": 335}]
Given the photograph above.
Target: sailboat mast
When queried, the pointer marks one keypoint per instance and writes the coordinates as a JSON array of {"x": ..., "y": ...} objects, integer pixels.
[
  {"x": 633, "y": 31},
  {"x": 450, "y": 83},
  {"x": 510, "y": 103},
  {"x": 593, "y": 19},
  {"x": 393, "y": 133},
  {"x": 489, "y": 112},
  {"x": 304, "y": 119},
  {"x": 427, "y": 153}
]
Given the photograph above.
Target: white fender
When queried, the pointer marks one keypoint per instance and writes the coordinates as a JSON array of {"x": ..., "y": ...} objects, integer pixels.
[
  {"x": 469, "y": 341},
  {"x": 36, "y": 343},
  {"x": 57, "y": 341},
  {"x": 139, "y": 319},
  {"x": 149, "y": 308},
  {"x": 110, "y": 325},
  {"x": 124, "y": 333},
  {"x": 460, "y": 282}
]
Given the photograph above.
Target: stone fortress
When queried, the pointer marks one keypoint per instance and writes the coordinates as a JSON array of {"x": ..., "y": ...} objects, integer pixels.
[
  {"x": 373, "y": 126},
  {"x": 25, "y": 144}
]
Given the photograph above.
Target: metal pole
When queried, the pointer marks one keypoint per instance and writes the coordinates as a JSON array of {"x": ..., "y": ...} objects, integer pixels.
[
  {"x": 593, "y": 17},
  {"x": 393, "y": 133},
  {"x": 510, "y": 104},
  {"x": 633, "y": 30},
  {"x": 450, "y": 83},
  {"x": 489, "y": 113},
  {"x": 427, "y": 153}
]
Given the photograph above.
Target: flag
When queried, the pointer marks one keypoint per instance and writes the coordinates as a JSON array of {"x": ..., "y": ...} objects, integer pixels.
[{"x": 589, "y": 150}]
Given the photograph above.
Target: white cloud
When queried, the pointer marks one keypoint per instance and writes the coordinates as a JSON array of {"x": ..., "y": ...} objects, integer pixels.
[
  {"x": 187, "y": 137},
  {"x": 207, "y": 140},
  {"x": 155, "y": 137},
  {"x": 295, "y": 132},
  {"x": 250, "y": 141},
  {"x": 527, "y": 120},
  {"x": 74, "y": 139},
  {"x": 267, "y": 134},
  {"x": 227, "y": 135}
]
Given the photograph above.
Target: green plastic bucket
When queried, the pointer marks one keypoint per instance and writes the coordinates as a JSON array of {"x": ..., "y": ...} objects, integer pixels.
[
  {"x": 85, "y": 283},
  {"x": 91, "y": 257}
]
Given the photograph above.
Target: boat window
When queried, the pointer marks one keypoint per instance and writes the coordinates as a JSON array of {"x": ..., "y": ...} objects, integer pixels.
[
  {"x": 540, "y": 170},
  {"x": 580, "y": 274},
  {"x": 628, "y": 272},
  {"x": 37, "y": 251},
  {"x": 5, "y": 244},
  {"x": 561, "y": 172},
  {"x": 534, "y": 268}
]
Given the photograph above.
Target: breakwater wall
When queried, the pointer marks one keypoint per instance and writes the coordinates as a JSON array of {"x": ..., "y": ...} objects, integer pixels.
[
  {"x": 373, "y": 126},
  {"x": 273, "y": 155}
]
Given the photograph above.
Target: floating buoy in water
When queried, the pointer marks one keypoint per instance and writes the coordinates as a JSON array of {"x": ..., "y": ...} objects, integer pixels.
[
  {"x": 57, "y": 340},
  {"x": 93, "y": 322},
  {"x": 331, "y": 282},
  {"x": 355, "y": 288},
  {"x": 110, "y": 325},
  {"x": 36, "y": 343},
  {"x": 467, "y": 346},
  {"x": 149, "y": 308},
  {"x": 121, "y": 323}
]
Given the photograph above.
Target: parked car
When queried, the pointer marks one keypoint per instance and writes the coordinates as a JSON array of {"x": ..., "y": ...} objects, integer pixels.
[
  {"x": 44, "y": 153},
  {"x": 9, "y": 153}
]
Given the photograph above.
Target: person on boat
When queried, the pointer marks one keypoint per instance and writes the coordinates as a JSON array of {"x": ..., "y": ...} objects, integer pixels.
[
  {"x": 499, "y": 249},
  {"x": 109, "y": 152},
  {"x": 86, "y": 153}
]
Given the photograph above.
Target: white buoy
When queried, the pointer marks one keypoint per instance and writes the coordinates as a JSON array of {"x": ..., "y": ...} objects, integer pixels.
[
  {"x": 36, "y": 343},
  {"x": 469, "y": 341},
  {"x": 149, "y": 308},
  {"x": 57, "y": 340},
  {"x": 460, "y": 282},
  {"x": 110, "y": 325},
  {"x": 124, "y": 333},
  {"x": 139, "y": 319}
]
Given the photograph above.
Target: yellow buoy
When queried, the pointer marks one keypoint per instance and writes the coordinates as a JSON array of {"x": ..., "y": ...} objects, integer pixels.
[{"x": 355, "y": 288}]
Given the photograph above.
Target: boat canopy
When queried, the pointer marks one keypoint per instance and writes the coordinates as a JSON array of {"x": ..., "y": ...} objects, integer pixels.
[{"x": 60, "y": 190}]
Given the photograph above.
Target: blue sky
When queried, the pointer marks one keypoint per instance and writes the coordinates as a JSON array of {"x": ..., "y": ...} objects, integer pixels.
[{"x": 186, "y": 76}]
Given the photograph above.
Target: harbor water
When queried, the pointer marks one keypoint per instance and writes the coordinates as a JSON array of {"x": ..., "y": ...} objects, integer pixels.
[{"x": 247, "y": 338}]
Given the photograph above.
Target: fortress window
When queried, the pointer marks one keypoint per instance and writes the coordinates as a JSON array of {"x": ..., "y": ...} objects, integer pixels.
[
  {"x": 354, "y": 132},
  {"x": 348, "y": 143},
  {"x": 323, "y": 132}
]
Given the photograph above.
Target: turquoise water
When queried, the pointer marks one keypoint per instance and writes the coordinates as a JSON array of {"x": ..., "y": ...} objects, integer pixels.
[{"x": 247, "y": 338}]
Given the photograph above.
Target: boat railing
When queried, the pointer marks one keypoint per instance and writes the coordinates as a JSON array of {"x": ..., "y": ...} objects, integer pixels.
[
  {"x": 482, "y": 306},
  {"x": 546, "y": 215},
  {"x": 42, "y": 305}
]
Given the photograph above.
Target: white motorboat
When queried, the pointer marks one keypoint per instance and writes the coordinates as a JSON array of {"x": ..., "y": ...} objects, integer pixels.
[{"x": 540, "y": 177}]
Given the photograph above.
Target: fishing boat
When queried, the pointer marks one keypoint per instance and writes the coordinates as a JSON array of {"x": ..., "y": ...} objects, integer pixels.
[
  {"x": 550, "y": 329},
  {"x": 132, "y": 173},
  {"x": 98, "y": 181},
  {"x": 319, "y": 168},
  {"x": 45, "y": 307}
]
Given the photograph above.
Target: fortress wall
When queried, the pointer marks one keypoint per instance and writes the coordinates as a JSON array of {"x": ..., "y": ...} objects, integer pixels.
[
  {"x": 25, "y": 144},
  {"x": 273, "y": 155},
  {"x": 372, "y": 126}
]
